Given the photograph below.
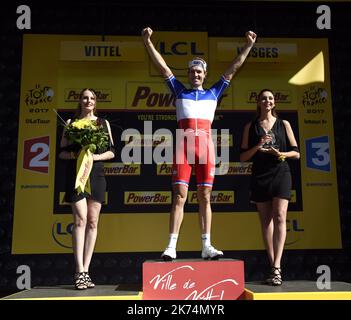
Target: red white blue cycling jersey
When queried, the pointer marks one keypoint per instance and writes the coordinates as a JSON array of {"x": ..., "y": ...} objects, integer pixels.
[{"x": 195, "y": 112}]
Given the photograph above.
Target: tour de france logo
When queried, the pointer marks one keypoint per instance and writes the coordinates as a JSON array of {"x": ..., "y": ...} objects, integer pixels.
[
  {"x": 39, "y": 95},
  {"x": 314, "y": 98}
]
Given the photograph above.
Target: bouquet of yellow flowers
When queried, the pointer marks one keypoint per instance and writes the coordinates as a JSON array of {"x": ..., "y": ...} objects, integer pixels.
[
  {"x": 87, "y": 133},
  {"x": 90, "y": 135}
]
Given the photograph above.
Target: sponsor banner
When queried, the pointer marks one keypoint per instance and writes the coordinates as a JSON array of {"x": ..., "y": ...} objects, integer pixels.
[
  {"x": 164, "y": 169},
  {"x": 149, "y": 96},
  {"x": 128, "y": 96},
  {"x": 261, "y": 52},
  {"x": 286, "y": 96},
  {"x": 280, "y": 96},
  {"x": 235, "y": 168},
  {"x": 178, "y": 48},
  {"x": 102, "y": 51},
  {"x": 232, "y": 168},
  {"x": 156, "y": 96},
  {"x": 223, "y": 197},
  {"x": 147, "y": 197},
  {"x": 121, "y": 169},
  {"x": 102, "y": 95}
]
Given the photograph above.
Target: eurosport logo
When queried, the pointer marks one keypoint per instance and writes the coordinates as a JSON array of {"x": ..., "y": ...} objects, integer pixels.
[{"x": 318, "y": 153}]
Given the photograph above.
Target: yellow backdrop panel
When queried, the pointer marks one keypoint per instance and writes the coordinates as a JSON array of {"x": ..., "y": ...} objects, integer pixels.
[{"x": 54, "y": 70}]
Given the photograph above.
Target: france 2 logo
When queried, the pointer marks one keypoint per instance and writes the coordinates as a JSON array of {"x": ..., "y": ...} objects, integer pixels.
[
  {"x": 36, "y": 154},
  {"x": 318, "y": 153}
]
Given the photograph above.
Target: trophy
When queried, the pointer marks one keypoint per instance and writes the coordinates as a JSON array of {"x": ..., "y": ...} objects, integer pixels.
[{"x": 272, "y": 143}]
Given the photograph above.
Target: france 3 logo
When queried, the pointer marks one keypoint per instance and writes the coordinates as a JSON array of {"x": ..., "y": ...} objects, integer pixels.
[
  {"x": 36, "y": 154},
  {"x": 318, "y": 153}
]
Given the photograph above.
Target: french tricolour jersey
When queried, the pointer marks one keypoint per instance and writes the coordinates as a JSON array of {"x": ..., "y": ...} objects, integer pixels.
[{"x": 193, "y": 103}]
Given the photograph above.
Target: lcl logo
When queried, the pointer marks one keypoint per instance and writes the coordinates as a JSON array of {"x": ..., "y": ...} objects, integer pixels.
[
  {"x": 180, "y": 48},
  {"x": 62, "y": 234}
]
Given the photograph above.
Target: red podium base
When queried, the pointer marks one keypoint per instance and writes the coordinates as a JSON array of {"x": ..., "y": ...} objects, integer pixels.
[{"x": 193, "y": 280}]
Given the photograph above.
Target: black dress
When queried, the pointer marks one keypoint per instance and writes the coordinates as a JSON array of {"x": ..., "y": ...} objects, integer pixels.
[
  {"x": 97, "y": 176},
  {"x": 270, "y": 176}
]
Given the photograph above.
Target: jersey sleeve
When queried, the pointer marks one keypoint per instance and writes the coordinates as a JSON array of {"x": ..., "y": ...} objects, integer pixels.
[
  {"x": 174, "y": 85},
  {"x": 218, "y": 88}
]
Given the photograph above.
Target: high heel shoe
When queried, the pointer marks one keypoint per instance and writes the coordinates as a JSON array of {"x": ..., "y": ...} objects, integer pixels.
[
  {"x": 79, "y": 281},
  {"x": 276, "y": 276},
  {"x": 89, "y": 283}
]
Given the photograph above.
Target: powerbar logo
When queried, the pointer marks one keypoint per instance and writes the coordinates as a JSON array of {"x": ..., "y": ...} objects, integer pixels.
[
  {"x": 147, "y": 197},
  {"x": 232, "y": 168},
  {"x": 121, "y": 169},
  {"x": 279, "y": 96},
  {"x": 152, "y": 96},
  {"x": 235, "y": 168},
  {"x": 102, "y": 95},
  {"x": 164, "y": 169},
  {"x": 221, "y": 197},
  {"x": 144, "y": 96}
]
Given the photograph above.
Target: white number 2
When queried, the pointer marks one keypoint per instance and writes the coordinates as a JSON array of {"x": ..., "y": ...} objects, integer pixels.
[{"x": 37, "y": 160}]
